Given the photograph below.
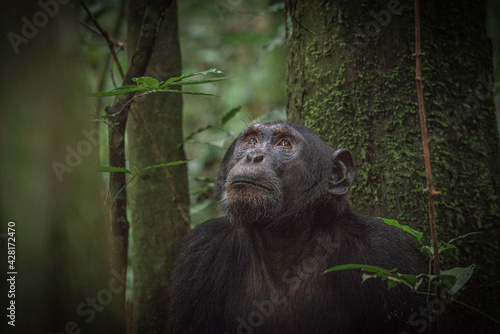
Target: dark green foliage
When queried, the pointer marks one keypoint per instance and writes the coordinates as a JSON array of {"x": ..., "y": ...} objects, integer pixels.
[
  {"x": 449, "y": 280},
  {"x": 151, "y": 85}
]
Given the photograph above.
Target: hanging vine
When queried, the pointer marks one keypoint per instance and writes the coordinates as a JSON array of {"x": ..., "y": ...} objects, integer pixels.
[{"x": 428, "y": 171}]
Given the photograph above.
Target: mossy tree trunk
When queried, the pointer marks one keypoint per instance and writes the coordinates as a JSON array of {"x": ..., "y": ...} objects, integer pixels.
[
  {"x": 159, "y": 200},
  {"x": 351, "y": 78}
]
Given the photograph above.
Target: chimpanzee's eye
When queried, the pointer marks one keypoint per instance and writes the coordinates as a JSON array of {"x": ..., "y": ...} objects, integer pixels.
[
  {"x": 284, "y": 143},
  {"x": 252, "y": 141}
]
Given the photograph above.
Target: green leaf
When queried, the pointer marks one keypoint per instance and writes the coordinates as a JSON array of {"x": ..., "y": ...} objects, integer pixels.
[
  {"x": 200, "y": 130},
  {"x": 366, "y": 276},
  {"x": 462, "y": 237},
  {"x": 392, "y": 284},
  {"x": 392, "y": 277},
  {"x": 168, "y": 164},
  {"x": 197, "y": 82},
  {"x": 229, "y": 115},
  {"x": 195, "y": 93},
  {"x": 366, "y": 267},
  {"x": 413, "y": 281},
  {"x": 183, "y": 92},
  {"x": 114, "y": 170},
  {"x": 428, "y": 249},
  {"x": 454, "y": 279},
  {"x": 449, "y": 244},
  {"x": 405, "y": 228},
  {"x": 444, "y": 247},
  {"x": 151, "y": 85},
  {"x": 118, "y": 91},
  {"x": 175, "y": 79},
  {"x": 147, "y": 82},
  {"x": 210, "y": 71}
]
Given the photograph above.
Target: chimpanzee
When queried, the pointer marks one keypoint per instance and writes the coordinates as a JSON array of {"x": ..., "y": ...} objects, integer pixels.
[{"x": 259, "y": 268}]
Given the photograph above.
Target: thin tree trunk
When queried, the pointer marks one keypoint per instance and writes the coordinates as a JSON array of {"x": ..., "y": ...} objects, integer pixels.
[
  {"x": 159, "y": 199},
  {"x": 143, "y": 45}
]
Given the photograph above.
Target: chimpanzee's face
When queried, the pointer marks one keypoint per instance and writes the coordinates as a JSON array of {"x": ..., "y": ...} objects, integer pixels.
[{"x": 272, "y": 169}]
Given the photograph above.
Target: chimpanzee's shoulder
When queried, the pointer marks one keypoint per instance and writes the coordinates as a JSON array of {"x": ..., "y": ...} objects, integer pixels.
[
  {"x": 210, "y": 231},
  {"x": 214, "y": 225},
  {"x": 391, "y": 246},
  {"x": 384, "y": 232}
]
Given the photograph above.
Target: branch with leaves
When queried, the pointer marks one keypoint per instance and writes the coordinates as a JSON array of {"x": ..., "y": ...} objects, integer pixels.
[
  {"x": 148, "y": 85},
  {"x": 450, "y": 281},
  {"x": 118, "y": 113},
  {"x": 124, "y": 97}
]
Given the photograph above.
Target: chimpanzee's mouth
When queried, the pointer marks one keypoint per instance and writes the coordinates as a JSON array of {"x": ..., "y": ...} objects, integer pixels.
[{"x": 246, "y": 181}]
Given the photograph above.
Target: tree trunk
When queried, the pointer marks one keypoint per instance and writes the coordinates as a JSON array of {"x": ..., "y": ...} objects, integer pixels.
[
  {"x": 351, "y": 78},
  {"x": 159, "y": 199}
]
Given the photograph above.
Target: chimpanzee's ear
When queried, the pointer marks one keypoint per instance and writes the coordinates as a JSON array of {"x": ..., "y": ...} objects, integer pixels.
[{"x": 343, "y": 172}]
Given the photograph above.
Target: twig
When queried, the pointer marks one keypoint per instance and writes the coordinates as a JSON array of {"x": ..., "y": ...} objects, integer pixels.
[
  {"x": 425, "y": 142},
  {"x": 105, "y": 34},
  {"x": 98, "y": 33},
  {"x": 112, "y": 73},
  {"x": 292, "y": 14},
  {"x": 115, "y": 32}
]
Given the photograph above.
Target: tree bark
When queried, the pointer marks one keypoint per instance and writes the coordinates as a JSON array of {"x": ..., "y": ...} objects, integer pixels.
[
  {"x": 159, "y": 199},
  {"x": 151, "y": 18},
  {"x": 350, "y": 77}
]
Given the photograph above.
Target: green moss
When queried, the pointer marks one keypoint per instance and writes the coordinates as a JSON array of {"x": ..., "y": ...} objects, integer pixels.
[{"x": 363, "y": 97}]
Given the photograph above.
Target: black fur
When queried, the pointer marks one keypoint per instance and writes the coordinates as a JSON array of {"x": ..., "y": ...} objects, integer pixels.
[{"x": 258, "y": 269}]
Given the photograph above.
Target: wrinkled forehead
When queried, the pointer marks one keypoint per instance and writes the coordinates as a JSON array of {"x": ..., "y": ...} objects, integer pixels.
[{"x": 271, "y": 130}]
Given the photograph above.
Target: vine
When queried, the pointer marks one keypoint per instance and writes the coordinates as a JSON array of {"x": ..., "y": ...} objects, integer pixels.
[{"x": 425, "y": 143}]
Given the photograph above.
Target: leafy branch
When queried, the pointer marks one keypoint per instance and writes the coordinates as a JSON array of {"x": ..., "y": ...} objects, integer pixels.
[
  {"x": 149, "y": 85},
  {"x": 450, "y": 281}
]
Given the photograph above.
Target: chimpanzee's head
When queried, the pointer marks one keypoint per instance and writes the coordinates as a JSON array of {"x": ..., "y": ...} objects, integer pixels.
[{"x": 275, "y": 171}]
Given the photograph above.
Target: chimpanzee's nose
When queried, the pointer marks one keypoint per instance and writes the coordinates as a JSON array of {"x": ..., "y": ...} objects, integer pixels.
[{"x": 255, "y": 157}]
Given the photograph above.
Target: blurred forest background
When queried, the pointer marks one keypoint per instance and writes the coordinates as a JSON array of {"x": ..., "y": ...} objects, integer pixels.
[
  {"x": 243, "y": 39},
  {"x": 53, "y": 138}
]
